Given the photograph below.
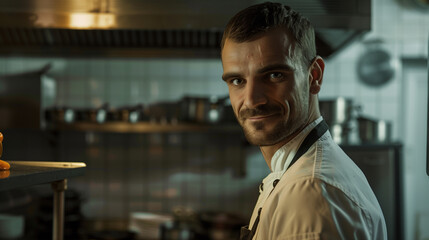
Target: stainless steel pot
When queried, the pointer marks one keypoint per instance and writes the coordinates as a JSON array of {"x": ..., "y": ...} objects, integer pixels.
[
  {"x": 60, "y": 115},
  {"x": 337, "y": 111},
  {"x": 374, "y": 131},
  {"x": 98, "y": 115},
  {"x": 164, "y": 112},
  {"x": 138, "y": 113},
  {"x": 202, "y": 109},
  {"x": 340, "y": 133}
]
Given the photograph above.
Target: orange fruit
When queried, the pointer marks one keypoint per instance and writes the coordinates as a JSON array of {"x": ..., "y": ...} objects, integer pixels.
[{"x": 4, "y": 165}]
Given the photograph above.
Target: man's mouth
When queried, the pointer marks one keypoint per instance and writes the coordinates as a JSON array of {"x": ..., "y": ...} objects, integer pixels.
[
  {"x": 260, "y": 117},
  {"x": 261, "y": 113}
]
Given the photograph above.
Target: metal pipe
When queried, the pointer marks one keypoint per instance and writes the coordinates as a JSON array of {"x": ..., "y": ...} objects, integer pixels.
[{"x": 58, "y": 223}]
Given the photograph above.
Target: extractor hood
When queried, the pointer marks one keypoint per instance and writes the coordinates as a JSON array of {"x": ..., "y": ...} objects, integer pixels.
[{"x": 168, "y": 28}]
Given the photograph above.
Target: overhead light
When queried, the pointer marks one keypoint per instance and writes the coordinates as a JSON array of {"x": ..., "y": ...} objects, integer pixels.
[{"x": 92, "y": 20}]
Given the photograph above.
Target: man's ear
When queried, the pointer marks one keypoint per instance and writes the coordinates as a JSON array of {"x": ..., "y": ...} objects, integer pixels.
[{"x": 316, "y": 75}]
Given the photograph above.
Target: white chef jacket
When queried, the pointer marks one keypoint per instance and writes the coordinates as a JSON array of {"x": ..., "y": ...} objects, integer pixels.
[{"x": 323, "y": 195}]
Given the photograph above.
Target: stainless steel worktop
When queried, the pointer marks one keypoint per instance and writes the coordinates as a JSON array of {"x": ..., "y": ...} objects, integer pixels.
[{"x": 28, "y": 173}]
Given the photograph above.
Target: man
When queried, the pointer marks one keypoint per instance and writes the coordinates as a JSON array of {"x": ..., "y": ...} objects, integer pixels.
[{"x": 314, "y": 191}]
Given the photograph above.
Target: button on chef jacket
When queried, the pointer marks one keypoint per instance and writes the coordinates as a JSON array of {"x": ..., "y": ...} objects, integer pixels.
[{"x": 323, "y": 195}]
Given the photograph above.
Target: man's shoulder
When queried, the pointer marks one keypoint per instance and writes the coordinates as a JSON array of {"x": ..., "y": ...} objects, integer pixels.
[
  {"x": 321, "y": 197},
  {"x": 318, "y": 195},
  {"x": 304, "y": 187}
]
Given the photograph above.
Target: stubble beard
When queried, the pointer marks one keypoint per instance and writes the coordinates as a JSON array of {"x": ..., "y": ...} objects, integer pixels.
[
  {"x": 259, "y": 133},
  {"x": 262, "y": 134}
]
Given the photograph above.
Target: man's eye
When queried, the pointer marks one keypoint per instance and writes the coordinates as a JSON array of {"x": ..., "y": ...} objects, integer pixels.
[
  {"x": 276, "y": 75},
  {"x": 236, "y": 81}
]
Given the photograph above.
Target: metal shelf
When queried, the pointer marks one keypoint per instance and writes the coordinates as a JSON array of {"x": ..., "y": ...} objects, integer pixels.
[{"x": 145, "y": 127}]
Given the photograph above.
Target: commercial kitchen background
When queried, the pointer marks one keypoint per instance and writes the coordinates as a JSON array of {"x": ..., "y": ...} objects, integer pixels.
[{"x": 156, "y": 172}]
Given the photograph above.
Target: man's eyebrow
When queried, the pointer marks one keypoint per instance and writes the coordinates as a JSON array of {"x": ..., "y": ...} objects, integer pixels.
[
  {"x": 273, "y": 67},
  {"x": 230, "y": 75}
]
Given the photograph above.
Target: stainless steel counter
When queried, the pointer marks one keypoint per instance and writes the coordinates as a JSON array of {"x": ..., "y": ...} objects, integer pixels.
[{"x": 28, "y": 173}]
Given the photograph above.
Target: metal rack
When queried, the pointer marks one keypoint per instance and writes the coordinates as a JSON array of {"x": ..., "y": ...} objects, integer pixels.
[{"x": 145, "y": 127}]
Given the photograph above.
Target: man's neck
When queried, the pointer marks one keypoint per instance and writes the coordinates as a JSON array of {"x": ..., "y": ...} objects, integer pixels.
[{"x": 269, "y": 151}]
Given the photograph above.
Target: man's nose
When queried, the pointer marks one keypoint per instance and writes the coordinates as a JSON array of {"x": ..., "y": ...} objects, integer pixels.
[{"x": 255, "y": 94}]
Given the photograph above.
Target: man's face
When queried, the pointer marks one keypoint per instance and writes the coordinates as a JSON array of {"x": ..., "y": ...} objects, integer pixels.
[{"x": 268, "y": 87}]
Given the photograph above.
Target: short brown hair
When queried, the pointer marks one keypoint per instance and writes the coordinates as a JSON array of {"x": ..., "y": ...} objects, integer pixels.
[{"x": 263, "y": 17}]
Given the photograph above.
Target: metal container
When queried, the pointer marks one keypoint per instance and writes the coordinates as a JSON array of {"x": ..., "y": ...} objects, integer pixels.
[
  {"x": 202, "y": 109},
  {"x": 164, "y": 112},
  {"x": 137, "y": 113},
  {"x": 337, "y": 111},
  {"x": 374, "y": 131},
  {"x": 60, "y": 115},
  {"x": 340, "y": 133},
  {"x": 23, "y": 97}
]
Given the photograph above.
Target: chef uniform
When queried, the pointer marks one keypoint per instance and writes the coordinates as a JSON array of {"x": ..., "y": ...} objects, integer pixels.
[{"x": 315, "y": 191}]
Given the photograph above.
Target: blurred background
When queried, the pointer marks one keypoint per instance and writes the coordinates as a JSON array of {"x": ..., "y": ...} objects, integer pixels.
[{"x": 134, "y": 90}]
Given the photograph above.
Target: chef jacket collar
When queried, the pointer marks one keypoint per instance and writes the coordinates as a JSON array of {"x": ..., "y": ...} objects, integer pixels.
[{"x": 284, "y": 155}]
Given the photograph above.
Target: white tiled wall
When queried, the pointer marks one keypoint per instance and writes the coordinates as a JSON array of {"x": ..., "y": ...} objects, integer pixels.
[
  {"x": 91, "y": 82},
  {"x": 119, "y": 82},
  {"x": 405, "y": 32}
]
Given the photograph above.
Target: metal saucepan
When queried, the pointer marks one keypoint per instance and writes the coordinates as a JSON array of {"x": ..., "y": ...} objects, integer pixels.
[
  {"x": 340, "y": 133},
  {"x": 374, "y": 131},
  {"x": 98, "y": 115},
  {"x": 202, "y": 109},
  {"x": 164, "y": 112},
  {"x": 137, "y": 113},
  {"x": 60, "y": 115},
  {"x": 338, "y": 110}
]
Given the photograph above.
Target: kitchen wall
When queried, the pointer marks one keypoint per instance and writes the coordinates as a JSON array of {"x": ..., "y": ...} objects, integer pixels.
[
  {"x": 404, "y": 29},
  {"x": 86, "y": 82},
  {"x": 139, "y": 172}
]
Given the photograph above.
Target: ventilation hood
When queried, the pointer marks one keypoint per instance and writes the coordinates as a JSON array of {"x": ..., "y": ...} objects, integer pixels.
[{"x": 166, "y": 28}]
